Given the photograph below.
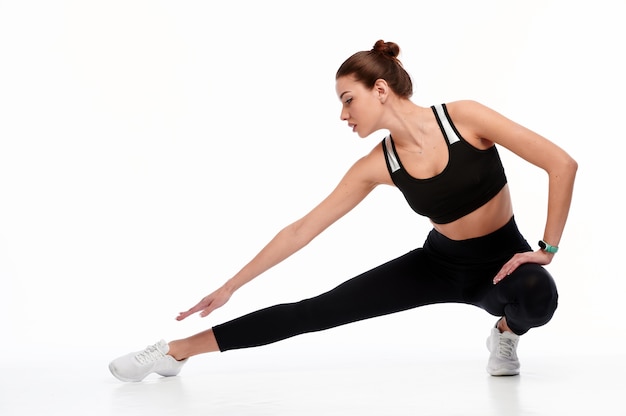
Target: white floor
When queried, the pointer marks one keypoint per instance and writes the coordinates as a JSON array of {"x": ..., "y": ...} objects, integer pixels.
[{"x": 339, "y": 383}]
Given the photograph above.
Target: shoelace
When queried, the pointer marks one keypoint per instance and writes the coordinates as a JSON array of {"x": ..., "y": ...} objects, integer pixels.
[
  {"x": 506, "y": 347},
  {"x": 149, "y": 355}
]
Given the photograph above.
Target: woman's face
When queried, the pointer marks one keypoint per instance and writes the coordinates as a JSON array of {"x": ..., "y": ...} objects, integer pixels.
[{"x": 361, "y": 107}]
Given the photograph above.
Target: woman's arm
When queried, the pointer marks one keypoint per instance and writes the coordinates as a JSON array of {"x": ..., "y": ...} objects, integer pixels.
[
  {"x": 356, "y": 184},
  {"x": 490, "y": 126}
]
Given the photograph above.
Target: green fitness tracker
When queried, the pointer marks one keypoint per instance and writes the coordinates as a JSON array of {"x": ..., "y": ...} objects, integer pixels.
[{"x": 547, "y": 247}]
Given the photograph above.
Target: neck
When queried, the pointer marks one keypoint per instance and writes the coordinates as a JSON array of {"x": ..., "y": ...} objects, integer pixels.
[{"x": 406, "y": 123}]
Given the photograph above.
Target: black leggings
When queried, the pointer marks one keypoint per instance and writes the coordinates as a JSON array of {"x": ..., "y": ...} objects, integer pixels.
[{"x": 442, "y": 271}]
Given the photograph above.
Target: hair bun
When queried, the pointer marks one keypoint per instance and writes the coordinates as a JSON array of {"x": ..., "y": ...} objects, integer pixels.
[{"x": 387, "y": 49}]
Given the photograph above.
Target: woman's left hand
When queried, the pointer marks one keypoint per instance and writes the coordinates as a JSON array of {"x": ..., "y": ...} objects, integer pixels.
[{"x": 538, "y": 257}]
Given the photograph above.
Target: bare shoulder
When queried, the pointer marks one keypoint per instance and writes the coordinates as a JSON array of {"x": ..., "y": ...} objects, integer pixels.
[
  {"x": 471, "y": 118},
  {"x": 471, "y": 112},
  {"x": 373, "y": 166},
  {"x": 486, "y": 126}
]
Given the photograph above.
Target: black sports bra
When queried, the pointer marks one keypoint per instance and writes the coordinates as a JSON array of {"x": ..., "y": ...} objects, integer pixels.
[{"x": 471, "y": 178}]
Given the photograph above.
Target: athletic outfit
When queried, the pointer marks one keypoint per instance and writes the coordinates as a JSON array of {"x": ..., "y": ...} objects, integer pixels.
[{"x": 441, "y": 271}]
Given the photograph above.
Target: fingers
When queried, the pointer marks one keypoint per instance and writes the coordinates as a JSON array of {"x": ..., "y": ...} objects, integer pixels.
[
  {"x": 516, "y": 261},
  {"x": 207, "y": 305},
  {"x": 508, "y": 268},
  {"x": 183, "y": 315},
  {"x": 501, "y": 275},
  {"x": 191, "y": 311}
]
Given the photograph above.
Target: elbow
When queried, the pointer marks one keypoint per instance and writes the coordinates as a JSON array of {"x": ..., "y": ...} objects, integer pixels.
[
  {"x": 566, "y": 169},
  {"x": 298, "y": 233},
  {"x": 571, "y": 166}
]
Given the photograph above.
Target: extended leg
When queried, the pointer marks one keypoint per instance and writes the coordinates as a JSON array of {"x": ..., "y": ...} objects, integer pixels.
[{"x": 400, "y": 284}]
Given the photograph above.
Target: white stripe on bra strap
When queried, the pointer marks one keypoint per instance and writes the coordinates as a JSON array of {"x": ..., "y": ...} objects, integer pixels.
[
  {"x": 447, "y": 127},
  {"x": 391, "y": 155}
]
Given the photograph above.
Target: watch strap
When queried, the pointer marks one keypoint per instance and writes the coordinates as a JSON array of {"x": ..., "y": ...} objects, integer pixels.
[{"x": 547, "y": 247}]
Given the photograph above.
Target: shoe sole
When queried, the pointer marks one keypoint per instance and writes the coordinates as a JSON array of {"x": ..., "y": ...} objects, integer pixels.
[{"x": 503, "y": 373}]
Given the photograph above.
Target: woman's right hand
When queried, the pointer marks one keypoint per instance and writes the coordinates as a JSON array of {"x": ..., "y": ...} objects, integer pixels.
[{"x": 208, "y": 304}]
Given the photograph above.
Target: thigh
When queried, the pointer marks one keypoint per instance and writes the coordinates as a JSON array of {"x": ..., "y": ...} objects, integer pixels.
[{"x": 400, "y": 284}]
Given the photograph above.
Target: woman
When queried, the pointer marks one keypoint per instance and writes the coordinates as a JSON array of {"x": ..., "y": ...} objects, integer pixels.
[{"x": 445, "y": 162}]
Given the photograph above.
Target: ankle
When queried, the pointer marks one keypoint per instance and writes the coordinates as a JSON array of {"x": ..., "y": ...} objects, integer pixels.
[
  {"x": 502, "y": 326},
  {"x": 176, "y": 350}
]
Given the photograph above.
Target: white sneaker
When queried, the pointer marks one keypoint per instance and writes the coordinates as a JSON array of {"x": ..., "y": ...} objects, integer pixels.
[
  {"x": 503, "y": 359},
  {"x": 154, "y": 359}
]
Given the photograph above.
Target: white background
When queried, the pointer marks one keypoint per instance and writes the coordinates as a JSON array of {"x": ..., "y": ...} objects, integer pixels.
[{"x": 148, "y": 149}]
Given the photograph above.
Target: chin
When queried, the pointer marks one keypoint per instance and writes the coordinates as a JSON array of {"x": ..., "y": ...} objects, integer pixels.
[{"x": 364, "y": 134}]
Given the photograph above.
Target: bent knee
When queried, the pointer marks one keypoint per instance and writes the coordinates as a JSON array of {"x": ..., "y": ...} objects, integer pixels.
[{"x": 538, "y": 293}]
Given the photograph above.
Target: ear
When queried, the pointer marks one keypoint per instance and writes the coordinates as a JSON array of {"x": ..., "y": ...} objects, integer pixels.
[{"x": 381, "y": 89}]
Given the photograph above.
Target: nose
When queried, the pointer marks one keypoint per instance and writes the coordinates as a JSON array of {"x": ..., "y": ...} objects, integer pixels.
[{"x": 344, "y": 115}]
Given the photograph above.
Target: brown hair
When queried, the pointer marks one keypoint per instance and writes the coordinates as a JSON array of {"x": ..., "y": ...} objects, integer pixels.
[{"x": 381, "y": 62}]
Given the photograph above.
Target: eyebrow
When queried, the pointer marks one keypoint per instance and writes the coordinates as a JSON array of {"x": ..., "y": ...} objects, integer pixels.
[{"x": 343, "y": 93}]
